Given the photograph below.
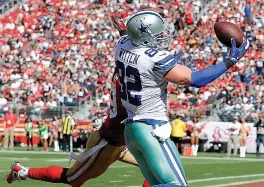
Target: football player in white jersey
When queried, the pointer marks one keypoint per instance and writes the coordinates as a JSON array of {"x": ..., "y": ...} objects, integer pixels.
[{"x": 145, "y": 68}]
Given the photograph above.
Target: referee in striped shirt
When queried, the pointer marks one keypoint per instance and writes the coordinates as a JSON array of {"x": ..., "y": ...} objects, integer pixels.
[{"x": 67, "y": 123}]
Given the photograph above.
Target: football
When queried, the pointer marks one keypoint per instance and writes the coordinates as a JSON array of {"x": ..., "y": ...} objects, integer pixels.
[{"x": 225, "y": 31}]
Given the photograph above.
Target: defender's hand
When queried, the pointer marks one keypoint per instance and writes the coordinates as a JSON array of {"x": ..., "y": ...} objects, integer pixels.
[{"x": 119, "y": 25}]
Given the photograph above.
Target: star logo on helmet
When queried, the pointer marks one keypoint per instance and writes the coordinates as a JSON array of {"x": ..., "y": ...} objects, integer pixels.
[{"x": 143, "y": 28}]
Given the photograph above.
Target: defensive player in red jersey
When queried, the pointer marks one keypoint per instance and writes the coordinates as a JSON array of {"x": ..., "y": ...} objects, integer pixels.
[{"x": 103, "y": 148}]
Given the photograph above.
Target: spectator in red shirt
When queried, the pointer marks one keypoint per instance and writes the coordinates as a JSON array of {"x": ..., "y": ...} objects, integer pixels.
[{"x": 10, "y": 122}]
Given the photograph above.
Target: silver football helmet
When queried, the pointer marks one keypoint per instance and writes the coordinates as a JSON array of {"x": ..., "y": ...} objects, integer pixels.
[{"x": 148, "y": 29}]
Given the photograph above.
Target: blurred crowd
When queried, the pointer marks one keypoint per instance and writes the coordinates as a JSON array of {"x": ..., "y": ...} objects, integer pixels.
[
  {"x": 57, "y": 53},
  {"x": 241, "y": 89}
]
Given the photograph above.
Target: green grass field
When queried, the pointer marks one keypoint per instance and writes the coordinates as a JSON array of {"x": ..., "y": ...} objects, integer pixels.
[{"x": 204, "y": 170}]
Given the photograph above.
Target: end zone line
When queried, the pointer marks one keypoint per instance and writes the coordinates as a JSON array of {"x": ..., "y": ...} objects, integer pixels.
[
  {"x": 224, "y": 178},
  {"x": 236, "y": 183}
]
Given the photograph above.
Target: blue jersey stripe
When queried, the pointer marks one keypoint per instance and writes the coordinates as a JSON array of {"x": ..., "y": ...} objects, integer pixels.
[
  {"x": 167, "y": 63},
  {"x": 164, "y": 61},
  {"x": 166, "y": 67},
  {"x": 153, "y": 121}
]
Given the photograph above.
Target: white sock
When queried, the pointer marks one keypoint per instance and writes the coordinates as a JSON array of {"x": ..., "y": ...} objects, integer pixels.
[
  {"x": 193, "y": 150},
  {"x": 196, "y": 149},
  {"x": 241, "y": 151},
  {"x": 244, "y": 151},
  {"x": 56, "y": 145},
  {"x": 23, "y": 174}
]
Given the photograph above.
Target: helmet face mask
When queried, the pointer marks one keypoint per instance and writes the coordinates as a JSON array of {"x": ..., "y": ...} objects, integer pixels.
[
  {"x": 148, "y": 29},
  {"x": 164, "y": 39}
]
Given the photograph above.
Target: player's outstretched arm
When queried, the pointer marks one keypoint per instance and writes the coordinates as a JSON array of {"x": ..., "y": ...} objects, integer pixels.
[{"x": 184, "y": 76}]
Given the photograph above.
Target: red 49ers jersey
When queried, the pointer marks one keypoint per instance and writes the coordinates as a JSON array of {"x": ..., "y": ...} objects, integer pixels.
[{"x": 112, "y": 130}]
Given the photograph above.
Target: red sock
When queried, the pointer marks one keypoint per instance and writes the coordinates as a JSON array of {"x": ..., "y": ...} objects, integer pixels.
[
  {"x": 54, "y": 174},
  {"x": 146, "y": 184}
]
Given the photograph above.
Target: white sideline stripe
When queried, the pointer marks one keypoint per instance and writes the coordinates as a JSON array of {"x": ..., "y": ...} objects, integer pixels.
[
  {"x": 224, "y": 178},
  {"x": 217, "y": 162},
  {"x": 219, "y": 158},
  {"x": 116, "y": 181},
  {"x": 15, "y": 159},
  {"x": 131, "y": 166},
  {"x": 34, "y": 152},
  {"x": 199, "y": 163},
  {"x": 124, "y": 175},
  {"x": 185, "y": 157},
  {"x": 3, "y": 159},
  {"x": 57, "y": 160},
  {"x": 4, "y": 170},
  {"x": 236, "y": 183}
]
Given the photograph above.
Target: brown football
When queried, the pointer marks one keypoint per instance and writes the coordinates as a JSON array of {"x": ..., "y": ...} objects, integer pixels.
[{"x": 225, "y": 31}]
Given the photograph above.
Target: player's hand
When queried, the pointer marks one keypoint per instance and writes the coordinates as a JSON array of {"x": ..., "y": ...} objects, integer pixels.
[
  {"x": 189, "y": 62},
  {"x": 237, "y": 53},
  {"x": 178, "y": 56}
]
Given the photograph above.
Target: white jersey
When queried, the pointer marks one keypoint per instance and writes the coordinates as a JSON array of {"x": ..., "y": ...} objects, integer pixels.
[{"x": 143, "y": 88}]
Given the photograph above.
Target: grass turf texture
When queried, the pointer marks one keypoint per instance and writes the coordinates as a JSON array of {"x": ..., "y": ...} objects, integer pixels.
[{"x": 206, "y": 170}]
